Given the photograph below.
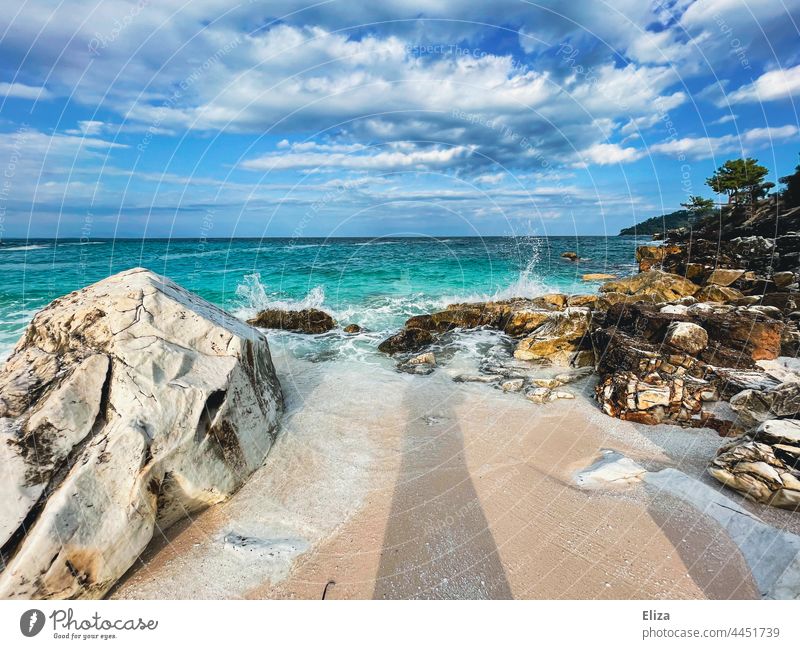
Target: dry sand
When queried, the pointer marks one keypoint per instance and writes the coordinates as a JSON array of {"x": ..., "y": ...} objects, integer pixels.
[{"x": 404, "y": 486}]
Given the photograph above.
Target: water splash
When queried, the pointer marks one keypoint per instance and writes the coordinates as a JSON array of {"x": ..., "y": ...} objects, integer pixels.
[
  {"x": 529, "y": 282},
  {"x": 253, "y": 296}
]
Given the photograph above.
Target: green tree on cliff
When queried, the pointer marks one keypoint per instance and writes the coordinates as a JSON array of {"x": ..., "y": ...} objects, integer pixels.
[
  {"x": 699, "y": 207},
  {"x": 742, "y": 180},
  {"x": 791, "y": 195}
]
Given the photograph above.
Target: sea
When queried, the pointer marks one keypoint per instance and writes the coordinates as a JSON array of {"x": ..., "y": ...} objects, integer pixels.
[{"x": 375, "y": 282}]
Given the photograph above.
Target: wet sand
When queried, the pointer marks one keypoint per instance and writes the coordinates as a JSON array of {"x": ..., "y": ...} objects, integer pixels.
[{"x": 403, "y": 486}]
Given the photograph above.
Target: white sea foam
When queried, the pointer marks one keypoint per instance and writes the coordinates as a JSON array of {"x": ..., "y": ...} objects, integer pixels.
[
  {"x": 299, "y": 246},
  {"x": 378, "y": 243},
  {"x": 254, "y": 297},
  {"x": 82, "y": 243},
  {"x": 21, "y": 248}
]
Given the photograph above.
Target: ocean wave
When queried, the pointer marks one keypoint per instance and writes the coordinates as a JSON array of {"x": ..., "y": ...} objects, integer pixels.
[
  {"x": 82, "y": 243},
  {"x": 170, "y": 256},
  {"x": 254, "y": 297},
  {"x": 21, "y": 248},
  {"x": 378, "y": 243}
]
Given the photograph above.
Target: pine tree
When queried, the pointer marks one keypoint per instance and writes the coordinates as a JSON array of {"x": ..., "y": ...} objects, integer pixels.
[
  {"x": 742, "y": 180},
  {"x": 699, "y": 206}
]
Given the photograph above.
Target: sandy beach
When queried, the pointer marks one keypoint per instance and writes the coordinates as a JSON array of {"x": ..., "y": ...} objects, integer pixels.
[{"x": 399, "y": 486}]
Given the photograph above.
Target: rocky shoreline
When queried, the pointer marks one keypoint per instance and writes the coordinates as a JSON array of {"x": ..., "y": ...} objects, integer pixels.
[
  {"x": 678, "y": 343},
  {"x": 132, "y": 403}
]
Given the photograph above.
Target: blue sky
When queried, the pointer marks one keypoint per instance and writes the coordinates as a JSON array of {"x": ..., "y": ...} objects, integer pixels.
[{"x": 283, "y": 118}]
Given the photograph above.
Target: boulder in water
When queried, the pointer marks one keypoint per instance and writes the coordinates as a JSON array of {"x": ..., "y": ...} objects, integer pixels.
[
  {"x": 307, "y": 321},
  {"x": 409, "y": 339}
]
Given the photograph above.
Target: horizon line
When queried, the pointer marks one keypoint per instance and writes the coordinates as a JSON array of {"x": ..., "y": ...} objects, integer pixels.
[{"x": 290, "y": 238}]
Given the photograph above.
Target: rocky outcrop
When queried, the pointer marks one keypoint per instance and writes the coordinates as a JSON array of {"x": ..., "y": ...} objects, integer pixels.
[
  {"x": 764, "y": 466},
  {"x": 307, "y": 321},
  {"x": 754, "y": 406},
  {"x": 353, "y": 329},
  {"x": 571, "y": 256},
  {"x": 124, "y": 407},
  {"x": 737, "y": 335},
  {"x": 651, "y": 384},
  {"x": 516, "y": 317},
  {"x": 651, "y": 257},
  {"x": 557, "y": 340},
  {"x": 650, "y": 286}
]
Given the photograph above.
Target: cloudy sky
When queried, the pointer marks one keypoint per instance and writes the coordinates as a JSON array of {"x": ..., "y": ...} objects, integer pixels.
[{"x": 395, "y": 117}]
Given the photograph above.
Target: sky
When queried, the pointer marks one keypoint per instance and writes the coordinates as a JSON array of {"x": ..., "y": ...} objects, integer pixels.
[{"x": 137, "y": 118}]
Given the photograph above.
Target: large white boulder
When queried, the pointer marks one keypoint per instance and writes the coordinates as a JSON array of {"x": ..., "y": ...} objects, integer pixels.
[{"x": 124, "y": 407}]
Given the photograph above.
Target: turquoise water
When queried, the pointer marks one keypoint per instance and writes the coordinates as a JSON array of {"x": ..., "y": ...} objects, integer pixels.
[{"x": 377, "y": 283}]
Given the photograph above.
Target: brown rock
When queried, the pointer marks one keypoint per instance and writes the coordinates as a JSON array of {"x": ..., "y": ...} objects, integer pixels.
[
  {"x": 724, "y": 276},
  {"x": 783, "y": 279},
  {"x": 652, "y": 401},
  {"x": 524, "y": 321},
  {"x": 650, "y": 257},
  {"x": 353, "y": 329},
  {"x": 694, "y": 271},
  {"x": 687, "y": 337},
  {"x": 582, "y": 300},
  {"x": 572, "y": 256},
  {"x": 757, "y": 336},
  {"x": 594, "y": 277},
  {"x": 307, "y": 321},
  {"x": 656, "y": 285},
  {"x": 763, "y": 466},
  {"x": 564, "y": 331},
  {"x": 551, "y": 300},
  {"x": 409, "y": 339},
  {"x": 721, "y": 294}
]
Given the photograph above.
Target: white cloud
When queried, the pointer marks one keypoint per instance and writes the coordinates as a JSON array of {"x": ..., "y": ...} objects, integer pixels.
[
  {"x": 770, "y": 86},
  {"x": 691, "y": 147},
  {"x": 21, "y": 91},
  {"x": 730, "y": 117},
  {"x": 708, "y": 147},
  {"x": 87, "y": 127},
  {"x": 606, "y": 154},
  {"x": 490, "y": 179},
  {"x": 375, "y": 160}
]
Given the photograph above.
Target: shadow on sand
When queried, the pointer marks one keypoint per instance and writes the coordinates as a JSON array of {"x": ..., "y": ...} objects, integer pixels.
[{"x": 437, "y": 542}]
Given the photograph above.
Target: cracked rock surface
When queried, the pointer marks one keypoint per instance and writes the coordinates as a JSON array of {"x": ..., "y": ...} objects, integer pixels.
[{"x": 125, "y": 406}]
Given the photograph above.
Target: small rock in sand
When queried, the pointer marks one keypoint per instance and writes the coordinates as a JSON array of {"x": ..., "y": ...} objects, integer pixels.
[
  {"x": 546, "y": 383},
  {"x": 512, "y": 385},
  {"x": 538, "y": 395},
  {"x": 611, "y": 468}
]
